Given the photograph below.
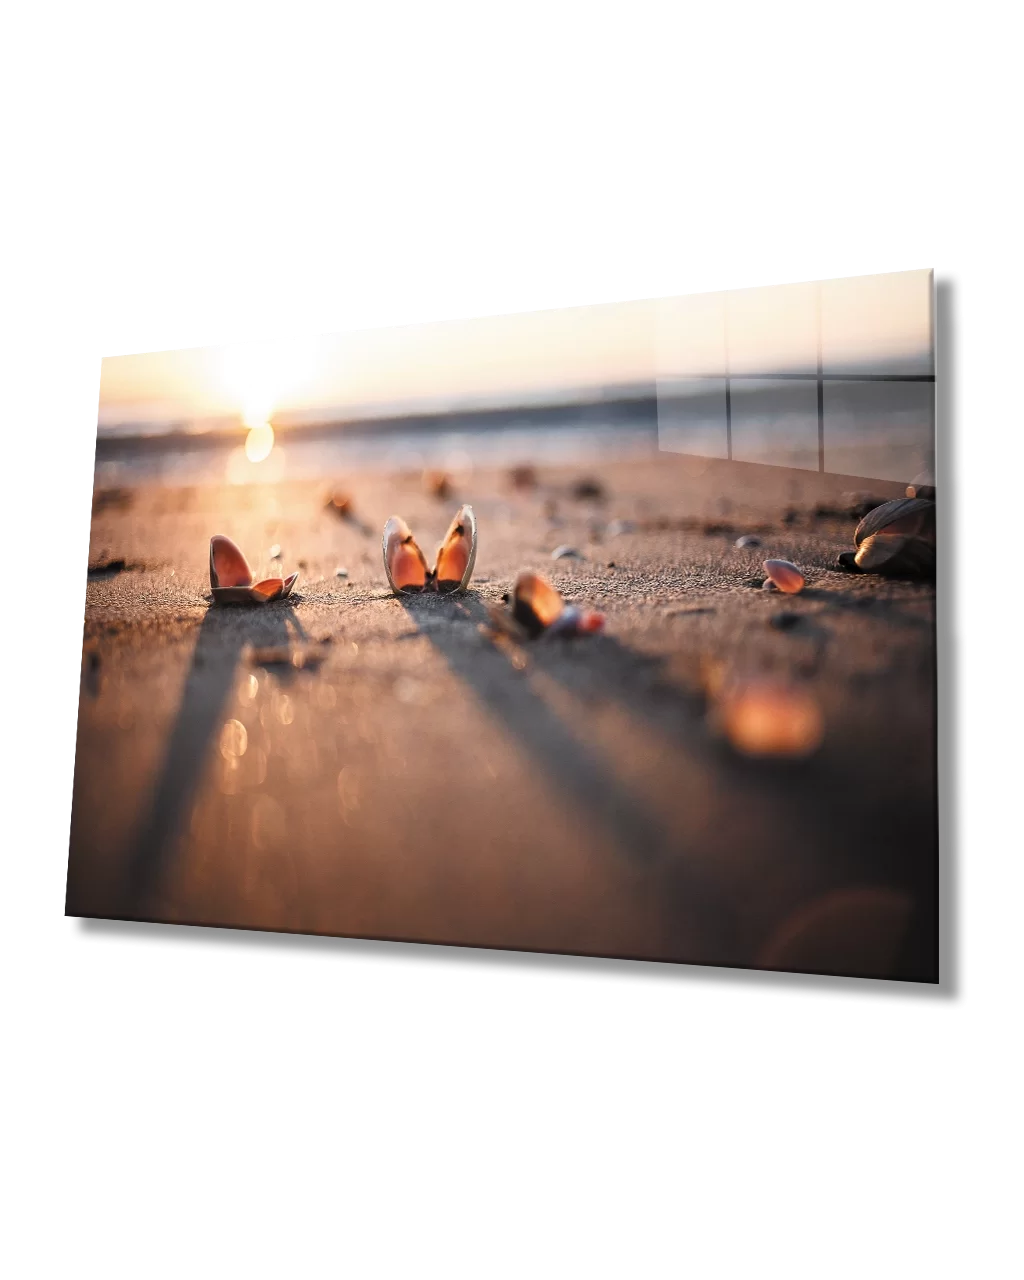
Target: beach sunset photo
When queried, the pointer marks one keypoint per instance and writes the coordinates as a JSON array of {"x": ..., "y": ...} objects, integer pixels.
[{"x": 607, "y": 631}]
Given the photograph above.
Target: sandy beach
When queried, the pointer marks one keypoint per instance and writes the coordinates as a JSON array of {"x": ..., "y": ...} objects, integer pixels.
[{"x": 416, "y": 781}]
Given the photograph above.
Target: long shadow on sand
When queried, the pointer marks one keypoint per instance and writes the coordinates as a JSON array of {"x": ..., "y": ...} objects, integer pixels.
[
  {"x": 825, "y": 816},
  {"x": 223, "y": 636},
  {"x": 821, "y": 801},
  {"x": 580, "y": 773}
]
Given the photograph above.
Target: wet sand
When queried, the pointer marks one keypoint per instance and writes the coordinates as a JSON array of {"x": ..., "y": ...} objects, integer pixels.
[{"x": 422, "y": 783}]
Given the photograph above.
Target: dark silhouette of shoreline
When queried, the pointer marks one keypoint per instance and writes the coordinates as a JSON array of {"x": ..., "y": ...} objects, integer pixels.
[{"x": 631, "y": 407}]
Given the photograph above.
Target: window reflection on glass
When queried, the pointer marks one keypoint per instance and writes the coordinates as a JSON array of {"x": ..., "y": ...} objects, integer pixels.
[
  {"x": 692, "y": 416},
  {"x": 833, "y": 375},
  {"x": 884, "y": 430},
  {"x": 775, "y": 422}
]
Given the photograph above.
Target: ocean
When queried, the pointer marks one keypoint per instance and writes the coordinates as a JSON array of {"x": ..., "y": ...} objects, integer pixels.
[{"x": 882, "y": 430}]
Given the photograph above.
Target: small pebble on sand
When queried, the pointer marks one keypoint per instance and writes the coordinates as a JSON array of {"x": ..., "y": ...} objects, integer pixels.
[{"x": 785, "y": 575}]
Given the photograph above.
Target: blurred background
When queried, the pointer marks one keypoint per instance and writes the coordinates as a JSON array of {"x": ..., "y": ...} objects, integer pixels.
[{"x": 834, "y": 376}]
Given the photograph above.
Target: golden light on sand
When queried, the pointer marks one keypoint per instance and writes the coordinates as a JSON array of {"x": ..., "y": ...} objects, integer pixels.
[
  {"x": 268, "y": 826},
  {"x": 259, "y": 442},
  {"x": 241, "y": 469},
  {"x": 762, "y": 718},
  {"x": 233, "y": 740}
]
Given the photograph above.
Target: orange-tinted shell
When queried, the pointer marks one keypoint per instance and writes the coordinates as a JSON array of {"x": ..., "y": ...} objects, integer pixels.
[
  {"x": 403, "y": 560},
  {"x": 231, "y": 577},
  {"x": 228, "y": 567},
  {"x": 535, "y": 603},
  {"x": 456, "y": 554},
  {"x": 406, "y": 567},
  {"x": 452, "y": 561}
]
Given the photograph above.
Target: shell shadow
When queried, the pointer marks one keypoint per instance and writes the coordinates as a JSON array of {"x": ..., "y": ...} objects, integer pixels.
[
  {"x": 223, "y": 635},
  {"x": 582, "y": 776},
  {"x": 890, "y": 844}
]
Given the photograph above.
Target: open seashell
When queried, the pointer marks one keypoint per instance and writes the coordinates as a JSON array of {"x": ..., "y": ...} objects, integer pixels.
[
  {"x": 231, "y": 578},
  {"x": 540, "y": 610},
  {"x": 406, "y": 566},
  {"x": 785, "y": 575},
  {"x": 912, "y": 517},
  {"x": 897, "y": 555}
]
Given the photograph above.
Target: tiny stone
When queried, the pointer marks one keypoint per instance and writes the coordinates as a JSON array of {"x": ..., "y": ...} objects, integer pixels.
[
  {"x": 785, "y": 575},
  {"x": 341, "y": 572},
  {"x": 565, "y": 552},
  {"x": 275, "y": 551},
  {"x": 748, "y": 540},
  {"x": 611, "y": 564}
]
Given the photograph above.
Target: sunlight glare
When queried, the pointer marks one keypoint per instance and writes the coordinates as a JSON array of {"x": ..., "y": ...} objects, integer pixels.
[
  {"x": 259, "y": 442},
  {"x": 239, "y": 469}
]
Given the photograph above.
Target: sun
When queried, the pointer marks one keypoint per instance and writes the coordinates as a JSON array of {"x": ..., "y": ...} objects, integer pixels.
[{"x": 259, "y": 378}]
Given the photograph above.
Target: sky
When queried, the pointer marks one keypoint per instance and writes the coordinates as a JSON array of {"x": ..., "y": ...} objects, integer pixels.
[{"x": 869, "y": 322}]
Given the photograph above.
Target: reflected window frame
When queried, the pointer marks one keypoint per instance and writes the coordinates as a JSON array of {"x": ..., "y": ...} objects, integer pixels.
[{"x": 734, "y": 379}]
